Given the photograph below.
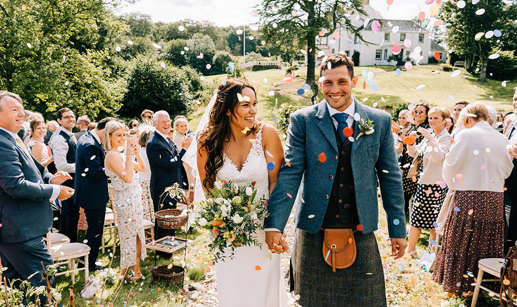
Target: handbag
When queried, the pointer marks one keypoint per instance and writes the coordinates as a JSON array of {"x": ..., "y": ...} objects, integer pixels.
[
  {"x": 414, "y": 169},
  {"x": 509, "y": 277},
  {"x": 90, "y": 288},
  {"x": 339, "y": 250}
]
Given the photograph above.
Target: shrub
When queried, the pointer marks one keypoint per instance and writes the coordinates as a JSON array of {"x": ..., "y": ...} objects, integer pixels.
[
  {"x": 264, "y": 67},
  {"x": 291, "y": 69},
  {"x": 503, "y": 68},
  {"x": 432, "y": 60},
  {"x": 196, "y": 274},
  {"x": 221, "y": 60},
  {"x": 447, "y": 67},
  {"x": 355, "y": 57}
]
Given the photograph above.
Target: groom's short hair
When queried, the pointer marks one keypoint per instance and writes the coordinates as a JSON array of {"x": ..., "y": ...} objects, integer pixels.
[{"x": 336, "y": 60}]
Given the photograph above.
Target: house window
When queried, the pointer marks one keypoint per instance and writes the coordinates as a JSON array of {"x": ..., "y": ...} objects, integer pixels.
[
  {"x": 387, "y": 36},
  {"x": 421, "y": 37},
  {"x": 402, "y": 36},
  {"x": 378, "y": 54},
  {"x": 440, "y": 55},
  {"x": 407, "y": 54},
  {"x": 385, "y": 54},
  {"x": 347, "y": 52}
]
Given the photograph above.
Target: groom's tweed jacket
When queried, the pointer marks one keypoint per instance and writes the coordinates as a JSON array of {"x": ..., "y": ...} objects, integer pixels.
[{"x": 310, "y": 137}]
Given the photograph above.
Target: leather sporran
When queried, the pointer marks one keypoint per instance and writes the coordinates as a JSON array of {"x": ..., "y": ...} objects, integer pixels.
[{"x": 339, "y": 250}]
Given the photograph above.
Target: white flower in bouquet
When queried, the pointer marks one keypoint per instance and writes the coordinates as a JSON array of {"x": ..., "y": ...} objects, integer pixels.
[
  {"x": 219, "y": 200},
  {"x": 218, "y": 184},
  {"x": 237, "y": 219},
  {"x": 57, "y": 296},
  {"x": 236, "y": 200},
  {"x": 249, "y": 191},
  {"x": 202, "y": 222},
  {"x": 254, "y": 216}
]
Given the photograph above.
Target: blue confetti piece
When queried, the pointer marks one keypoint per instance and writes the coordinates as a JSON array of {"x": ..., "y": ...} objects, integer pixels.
[
  {"x": 396, "y": 222},
  {"x": 300, "y": 91},
  {"x": 497, "y": 33},
  {"x": 435, "y": 225},
  {"x": 373, "y": 86},
  {"x": 433, "y": 243},
  {"x": 274, "y": 120},
  {"x": 271, "y": 166},
  {"x": 457, "y": 209},
  {"x": 231, "y": 66},
  {"x": 398, "y": 71},
  {"x": 269, "y": 154},
  {"x": 307, "y": 87}
]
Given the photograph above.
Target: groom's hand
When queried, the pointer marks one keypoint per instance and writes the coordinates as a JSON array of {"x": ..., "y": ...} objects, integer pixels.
[
  {"x": 275, "y": 241},
  {"x": 398, "y": 247}
]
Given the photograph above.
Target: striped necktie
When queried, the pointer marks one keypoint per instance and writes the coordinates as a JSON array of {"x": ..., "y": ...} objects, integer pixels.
[{"x": 20, "y": 143}]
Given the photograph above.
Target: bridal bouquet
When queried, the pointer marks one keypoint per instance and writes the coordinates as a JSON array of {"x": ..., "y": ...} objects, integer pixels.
[{"x": 233, "y": 214}]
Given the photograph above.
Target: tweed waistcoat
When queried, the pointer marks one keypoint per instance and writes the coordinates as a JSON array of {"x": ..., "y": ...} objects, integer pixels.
[
  {"x": 342, "y": 210},
  {"x": 72, "y": 146}
]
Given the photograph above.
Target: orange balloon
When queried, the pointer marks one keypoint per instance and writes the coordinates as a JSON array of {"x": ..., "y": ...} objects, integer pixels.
[{"x": 409, "y": 140}]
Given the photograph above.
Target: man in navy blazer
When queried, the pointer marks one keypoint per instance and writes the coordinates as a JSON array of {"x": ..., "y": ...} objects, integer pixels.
[
  {"x": 26, "y": 189},
  {"x": 91, "y": 186},
  {"x": 313, "y": 154},
  {"x": 166, "y": 165}
]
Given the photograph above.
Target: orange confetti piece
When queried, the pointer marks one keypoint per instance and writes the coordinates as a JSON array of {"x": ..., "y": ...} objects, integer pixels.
[
  {"x": 409, "y": 140},
  {"x": 421, "y": 15},
  {"x": 348, "y": 132},
  {"x": 350, "y": 240},
  {"x": 364, "y": 85},
  {"x": 360, "y": 227},
  {"x": 322, "y": 157},
  {"x": 258, "y": 268},
  {"x": 459, "y": 176},
  {"x": 437, "y": 55},
  {"x": 289, "y": 195},
  {"x": 471, "y": 211},
  {"x": 506, "y": 282}
]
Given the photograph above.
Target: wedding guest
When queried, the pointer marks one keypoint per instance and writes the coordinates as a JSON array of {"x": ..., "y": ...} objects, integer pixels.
[
  {"x": 181, "y": 130},
  {"x": 400, "y": 128},
  {"x": 92, "y": 126},
  {"x": 91, "y": 187},
  {"x": 26, "y": 189},
  {"x": 145, "y": 176},
  {"x": 121, "y": 170},
  {"x": 63, "y": 146},
  {"x": 52, "y": 127},
  {"x": 166, "y": 165},
  {"x": 431, "y": 189},
  {"x": 510, "y": 194},
  {"x": 133, "y": 124},
  {"x": 458, "y": 126},
  {"x": 419, "y": 121},
  {"x": 82, "y": 125},
  {"x": 475, "y": 168},
  {"x": 25, "y": 127},
  {"x": 147, "y": 116},
  {"x": 36, "y": 145}
]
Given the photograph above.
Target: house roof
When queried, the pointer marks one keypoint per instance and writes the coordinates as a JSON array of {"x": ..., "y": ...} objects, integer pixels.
[
  {"x": 404, "y": 25},
  {"x": 436, "y": 47}
]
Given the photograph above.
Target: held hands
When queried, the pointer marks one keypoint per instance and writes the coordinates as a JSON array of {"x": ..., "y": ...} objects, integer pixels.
[
  {"x": 398, "y": 247},
  {"x": 424, "y": 132},
  {"x": 186, "y": 142},
  {"x": 275, "y": 240},
  {"x": 60, "y": 177},
  {"x": 65, "y": 193}
]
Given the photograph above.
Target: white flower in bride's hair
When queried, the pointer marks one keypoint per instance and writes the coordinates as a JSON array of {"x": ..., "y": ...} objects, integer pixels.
[
  {"x": 249, "y": 191},
  {"x": 218, "y": 185},
  {"x": 236, "y": 200},
  {"x": 202, "y": 222},
  {"x": 237, "y": 219}
]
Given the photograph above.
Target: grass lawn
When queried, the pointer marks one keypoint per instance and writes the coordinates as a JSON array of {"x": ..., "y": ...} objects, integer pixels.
[{"x": 407, "y": 284}]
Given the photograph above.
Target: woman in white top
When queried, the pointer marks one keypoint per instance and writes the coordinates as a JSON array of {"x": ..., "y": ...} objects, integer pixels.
[
  {"x": 475, "y": 168},
  {"x": 181, "y": 131},
  {"x": 145, "y": 175},
  {"x": 431, "y": 189},
  {"x": 36, "y": 145}
]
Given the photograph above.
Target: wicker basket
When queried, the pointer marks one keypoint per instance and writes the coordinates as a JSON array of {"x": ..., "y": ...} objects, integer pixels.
[
  {"x": 170, "y": 218},
  {"x": 175, "y": 274}
]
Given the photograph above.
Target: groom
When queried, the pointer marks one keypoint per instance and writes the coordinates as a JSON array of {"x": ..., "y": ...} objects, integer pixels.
[{"x": 339, "y": 169}]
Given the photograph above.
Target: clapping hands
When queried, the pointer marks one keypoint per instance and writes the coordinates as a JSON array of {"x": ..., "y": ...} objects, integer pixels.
[
  {"x": 60, "y": 177},
  {"x": 275, "y": 241}
]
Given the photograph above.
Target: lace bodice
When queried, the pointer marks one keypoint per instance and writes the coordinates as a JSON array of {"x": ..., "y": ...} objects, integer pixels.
[{"x": 254, "y": 169}]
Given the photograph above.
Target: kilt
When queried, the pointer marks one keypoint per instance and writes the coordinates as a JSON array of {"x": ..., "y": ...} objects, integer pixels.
[{"x": 361, "y": 284}]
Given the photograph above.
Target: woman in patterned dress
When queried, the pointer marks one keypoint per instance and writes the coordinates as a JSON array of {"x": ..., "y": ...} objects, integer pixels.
[
  {"x": 419, "y": 121},
  {"x": 475, "y": 169},
  {"x": 431, "y": 189},
  {"x": 121, "y": 170}
]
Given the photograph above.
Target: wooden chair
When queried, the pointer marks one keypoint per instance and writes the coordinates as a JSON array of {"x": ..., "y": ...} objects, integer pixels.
[
  {"x": 149, "y": 231},
  {"x": 491, "y": 266},
  {"x": 67, "y": 253}
]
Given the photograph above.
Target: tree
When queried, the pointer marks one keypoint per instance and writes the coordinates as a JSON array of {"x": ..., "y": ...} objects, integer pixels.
[
  {"x": 140, "y": 25},
  {"x": 54, "y": 54},
  {"x": 176, "y": 52},
  {"x": 153, "y": 87},
  {"x": 221, "y": 61},
  {"x": 201, "y": 52},
  {"x": 467, "y": 30},
  {"x": 304, "y": 19}
]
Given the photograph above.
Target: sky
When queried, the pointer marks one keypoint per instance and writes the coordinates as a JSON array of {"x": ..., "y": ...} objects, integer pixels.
[{"x": 240, "y": 12}]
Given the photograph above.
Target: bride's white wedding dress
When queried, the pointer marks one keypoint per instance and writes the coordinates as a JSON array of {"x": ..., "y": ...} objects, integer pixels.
[{"x": 253, "y": 276}]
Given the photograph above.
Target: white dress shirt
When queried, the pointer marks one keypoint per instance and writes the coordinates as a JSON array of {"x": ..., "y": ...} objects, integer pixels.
[
  {"x": 56, "y": 189},
  {"x": 59, "y": 148},
  {"x": 350, "y": 111},
  {"x": 478, "y": 160}
]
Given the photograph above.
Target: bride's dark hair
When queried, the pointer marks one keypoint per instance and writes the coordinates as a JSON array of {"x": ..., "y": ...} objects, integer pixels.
[{"x": 218, "y": 132}]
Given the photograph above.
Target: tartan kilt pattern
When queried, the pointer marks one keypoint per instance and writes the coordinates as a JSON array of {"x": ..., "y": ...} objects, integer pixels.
[{"x": 361, "y": 284}]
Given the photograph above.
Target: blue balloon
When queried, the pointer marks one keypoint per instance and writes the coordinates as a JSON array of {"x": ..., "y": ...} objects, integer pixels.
[
  {"x": 398, "y": 71},
  {"x": 300, "y": 91}
]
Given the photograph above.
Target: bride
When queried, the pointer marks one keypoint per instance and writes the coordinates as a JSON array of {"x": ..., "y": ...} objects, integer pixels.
[{"x": 235, "y": 147}]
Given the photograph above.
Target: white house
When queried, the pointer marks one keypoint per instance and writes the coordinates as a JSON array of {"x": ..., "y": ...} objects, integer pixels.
[{"x": 382, "y": 35}]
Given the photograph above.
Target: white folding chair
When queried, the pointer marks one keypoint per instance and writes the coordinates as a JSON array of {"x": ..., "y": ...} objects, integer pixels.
[
  {"x": 491, "y": 266},
  {"x": 67, "y": 253}
]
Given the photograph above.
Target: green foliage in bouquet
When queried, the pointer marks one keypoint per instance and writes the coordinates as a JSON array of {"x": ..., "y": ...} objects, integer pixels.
[{"x": 233, "y": 215}]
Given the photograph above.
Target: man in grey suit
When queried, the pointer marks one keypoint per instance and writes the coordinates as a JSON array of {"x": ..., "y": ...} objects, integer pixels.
[
  {"x": 26, "y": 189},
  {"x": 338, "y": 157}
]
